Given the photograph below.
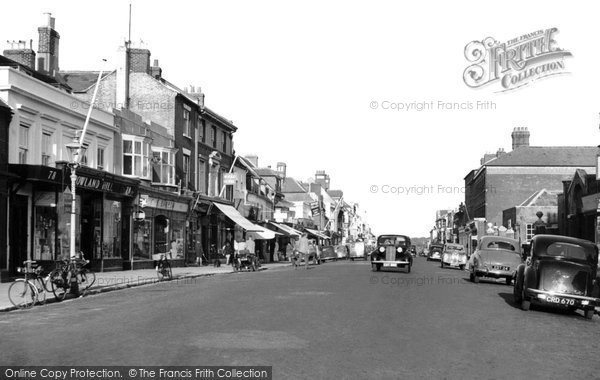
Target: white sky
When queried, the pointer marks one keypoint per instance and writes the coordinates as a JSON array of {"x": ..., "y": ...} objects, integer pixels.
[{"x": 297, "y": 78}]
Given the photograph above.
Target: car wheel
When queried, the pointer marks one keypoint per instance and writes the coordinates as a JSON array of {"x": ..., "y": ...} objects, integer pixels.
[
  {"x": 472, "y": 277},
  {"x": 374, "y": 267},
  {"x": 525, "y": 305},
  {"x": 589, "y": 314},
  {"x": 428, "y": 259},
  {"x": 508, "y": 280},
  {"x": 476, "y": 278},
  {"x": 461, "y": 267},
  {"x": 442, "y": 263},
  {"x": 408, "y": 268},
  {"x": 518, "y": 287}
]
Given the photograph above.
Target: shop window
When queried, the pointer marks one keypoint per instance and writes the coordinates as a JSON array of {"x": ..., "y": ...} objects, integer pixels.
[
  {"x": 23, "y": 143},
  {"x": 161, "y": 234},
  {"x": 111, "y": 242},
  {"x": 44, "y": 226},
  {"x": 46, "y": 148},
  {"x": 163, "y": 169},
  {"x": 142, "y": 238},
  {"x": 177, "y": 239}
]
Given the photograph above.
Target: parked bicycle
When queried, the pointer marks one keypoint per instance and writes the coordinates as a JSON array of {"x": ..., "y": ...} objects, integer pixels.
[
  {"x": 26, "y": 292},
  {"x": 71, "y": 277},
  {"x": 163, "y": 267}
]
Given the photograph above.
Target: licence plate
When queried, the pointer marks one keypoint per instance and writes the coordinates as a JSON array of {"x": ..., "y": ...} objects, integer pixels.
[
  {"x": 389, "y": 264},
  {"x": 500, "y": 267},
  {"x": 561, "y": 301}
]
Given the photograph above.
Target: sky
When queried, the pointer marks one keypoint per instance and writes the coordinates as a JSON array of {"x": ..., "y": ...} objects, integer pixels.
[{"x": 313, "y": 84}]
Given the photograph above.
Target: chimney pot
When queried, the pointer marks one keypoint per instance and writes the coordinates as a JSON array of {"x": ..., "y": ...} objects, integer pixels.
[{"x": 155, "y": 62}]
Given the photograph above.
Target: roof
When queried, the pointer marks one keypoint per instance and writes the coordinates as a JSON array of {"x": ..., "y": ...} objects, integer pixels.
[
  {"x": 267, "y": 172},
  {"x": 81, "y": 81},
  {"x": 542, "y": 198},
  {"x": 56, "y": 81},
  {"x": 290, "y": 185},
  {"x": 4, "y": 105},
  {"x": 335, "y": 193},
  {"x": 298, "y": 197},
  {"x": 548, "y": 156}
]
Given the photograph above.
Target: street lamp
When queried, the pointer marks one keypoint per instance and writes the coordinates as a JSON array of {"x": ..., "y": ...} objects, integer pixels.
[{"x": 76, "y": 150}]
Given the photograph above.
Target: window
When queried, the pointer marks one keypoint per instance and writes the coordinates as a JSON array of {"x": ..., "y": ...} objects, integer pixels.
[
  {"x": 213, "y": 136},
  {"x": 186, "y": 170},
  {"x": 163, "y": 170},
  {"x": 100, "y": 158},
  {"x": 530, "y": 231},
  {"x": 224, "y": 142},
  {"x": 201, "y": 129},
  {"x": 46, "y": 148},
  {"x": 23, "y": 143},
  {"x": 187, "y": 125},
  {"x": 202, "y": 176},
  {"x": 135, "y": 156}
]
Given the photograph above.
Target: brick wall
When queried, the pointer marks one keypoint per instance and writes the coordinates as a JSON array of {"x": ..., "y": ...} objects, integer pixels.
[{"x": 25, "y": 57}]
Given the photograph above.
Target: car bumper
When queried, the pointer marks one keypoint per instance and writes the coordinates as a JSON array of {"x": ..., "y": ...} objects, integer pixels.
[
  {"x": 386, "y": 263},
  {"x": 556, "y": 299},
  {"x": 493, "y": 273},
  {"x": 438, "y": 258}
]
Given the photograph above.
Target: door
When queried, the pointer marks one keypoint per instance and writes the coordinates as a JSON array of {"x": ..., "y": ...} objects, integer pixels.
[{"x": 18, "y": 232}]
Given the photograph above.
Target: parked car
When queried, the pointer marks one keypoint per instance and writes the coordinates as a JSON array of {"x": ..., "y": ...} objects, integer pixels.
[
  {"x": 328, "y": 253},
  {"x": 435, "y": 252},
  {"x": 341, "y": 251},
  {"x": 357, "y": 250},
  {"x": 560, "y": 272},
  {"x": 496, "y": 257},
  {"x": 393, "y": 251},
  {"x": 454, "y": 255}
]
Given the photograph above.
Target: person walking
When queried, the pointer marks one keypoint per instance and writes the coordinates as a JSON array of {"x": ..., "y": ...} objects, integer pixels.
[
  {"x": 276, "y": 252},
  {"x": 303, "y": 249},
  {"x": 289, "y": 252}
]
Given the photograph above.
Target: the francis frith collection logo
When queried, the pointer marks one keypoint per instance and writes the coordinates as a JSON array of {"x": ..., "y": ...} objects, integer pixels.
[{"x": 515, "y": 63}]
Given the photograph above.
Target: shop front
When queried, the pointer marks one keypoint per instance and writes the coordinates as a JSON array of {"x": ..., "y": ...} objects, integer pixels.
[
  {"x": 160, "y": 226},
  {"x": 40, "y": 205}
]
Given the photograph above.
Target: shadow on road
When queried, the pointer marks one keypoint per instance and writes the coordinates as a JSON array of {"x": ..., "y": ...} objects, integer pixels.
[{"x": 508, "y": 298}]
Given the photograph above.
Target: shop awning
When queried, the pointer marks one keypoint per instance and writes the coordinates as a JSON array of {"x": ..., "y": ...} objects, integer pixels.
[
  {"x": 265, "y": 234},
  {"x": 317, "y": 234},
  {"x": 286, "y": 229},
  {"x": 238, "y": 219}
]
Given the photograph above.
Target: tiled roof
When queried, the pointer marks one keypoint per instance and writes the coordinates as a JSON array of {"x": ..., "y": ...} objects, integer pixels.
[
  {"x": 298, "y": 197},
  {"x": 548, "y": 156},
  {"x": 80, "y": 81},
  {"x": 290, "y": 185},
  {"x": 335, "y": 193},
  {"x": 267, "y": 172},
  {"x": 542, "y": 198}
]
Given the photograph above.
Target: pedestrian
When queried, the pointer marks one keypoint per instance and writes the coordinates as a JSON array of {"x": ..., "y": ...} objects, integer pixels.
[
  {"x": 289, "y": 252},
  {"x": 303, "y": 249},
  {"x": 276, "y": 252},
  {"x": 227, "y": 250},
  {"x": 173, "y": 249}
]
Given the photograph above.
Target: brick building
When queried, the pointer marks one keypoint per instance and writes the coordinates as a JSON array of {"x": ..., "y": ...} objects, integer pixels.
[
  {"x": 578, "y": 206},
  {"x": 505, "y": 179}
]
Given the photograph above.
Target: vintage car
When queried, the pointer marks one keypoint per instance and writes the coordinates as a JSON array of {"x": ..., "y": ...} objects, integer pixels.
[
  {"x": 560, "y": 272},
  {"x": 413, "y": 251},
  {"x": 435, "y": 252},
  {"x": 392, "y": 252},
  {"x": 356, "y": 250},
  {"x": 328, "y": 253},
  {"x": 496, "y": 257},
  {"x": 454, "y": 255}
]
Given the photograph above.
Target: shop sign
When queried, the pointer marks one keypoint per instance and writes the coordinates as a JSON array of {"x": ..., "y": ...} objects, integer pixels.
[
  {"x": 103, "y": 185},
  {"x": 166, "y": 204},
  {"x": 229, "y": 178}
]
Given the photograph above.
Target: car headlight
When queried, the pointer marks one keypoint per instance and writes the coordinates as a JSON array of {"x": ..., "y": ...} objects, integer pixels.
[
  {"x": 399, "y": 249},
  {"x": 381, "y": 249}
]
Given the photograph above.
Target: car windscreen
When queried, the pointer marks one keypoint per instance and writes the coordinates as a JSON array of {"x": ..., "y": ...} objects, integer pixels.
[
  {"x": 392, "y": 240},
  {"x": 566, "y": 250},
  {"x": 504, "y": 245},
  {"x": 453, "y": 247}
]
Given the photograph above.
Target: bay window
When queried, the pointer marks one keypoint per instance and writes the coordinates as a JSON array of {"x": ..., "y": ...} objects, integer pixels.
[{"x": 135, "y": 156}]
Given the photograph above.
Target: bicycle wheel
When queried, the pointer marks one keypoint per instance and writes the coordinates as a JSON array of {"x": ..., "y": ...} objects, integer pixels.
[
  {"x": 22, "y": 294},
  {"x": 59, "y": 284},
  {"x": 164, "y": 271},
  {"x": 86, "y": 278},
  {"x": 168, "y": 272}
]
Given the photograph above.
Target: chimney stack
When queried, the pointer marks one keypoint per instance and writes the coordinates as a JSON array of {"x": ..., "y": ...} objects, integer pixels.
[
  {"x": 282, "y": 169},
  {"x": 520, "y": 137},
  {"x": 19, "y": 52},
  {"x": 323, "y": 179},
  {"x": 48, "y": 47},
  {"x": 500, "y": 152},
  {"x": 140, "y": 61},
  {"x": 155, "y": 70},
  {"x": 196, "y": 92}
]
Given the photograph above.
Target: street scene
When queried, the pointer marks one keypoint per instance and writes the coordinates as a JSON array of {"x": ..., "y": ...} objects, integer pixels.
[{"x": 267, "y": 190}]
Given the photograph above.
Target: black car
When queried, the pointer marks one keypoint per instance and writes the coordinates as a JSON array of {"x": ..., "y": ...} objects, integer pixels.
[
  {"x": 560, "y": 271},
  {"x": 392, "y": 251}
]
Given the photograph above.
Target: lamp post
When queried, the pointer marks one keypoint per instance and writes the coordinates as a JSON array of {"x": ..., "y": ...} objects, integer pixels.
[{"x": 75, "y": 150}]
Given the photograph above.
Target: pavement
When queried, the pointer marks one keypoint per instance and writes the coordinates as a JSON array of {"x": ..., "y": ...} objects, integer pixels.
[{"x": 111, "y": 281}]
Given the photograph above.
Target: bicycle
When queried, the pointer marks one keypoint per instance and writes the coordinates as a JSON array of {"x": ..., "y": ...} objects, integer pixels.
[
  {"x": 163, "y": 268},
  {"x": 26, "y": 292},
  {"x": 71, "y": 276}
]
